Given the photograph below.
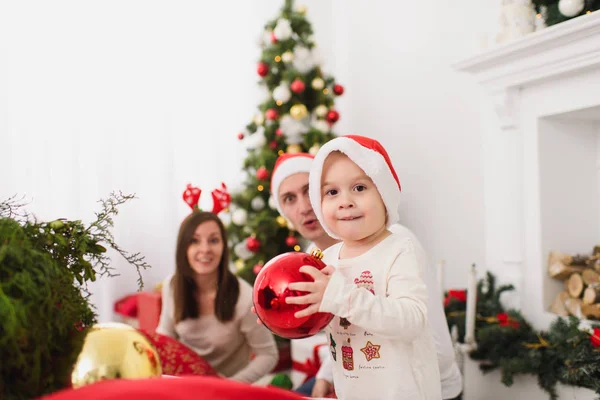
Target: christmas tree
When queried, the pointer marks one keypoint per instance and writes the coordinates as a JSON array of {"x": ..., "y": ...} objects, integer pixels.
[
  {"x": 556, "y": 11},
  {"x": 297, "y": 116}
]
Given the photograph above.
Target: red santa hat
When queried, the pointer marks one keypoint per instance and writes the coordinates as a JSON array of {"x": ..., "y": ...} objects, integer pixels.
[
  {"x": 288, "y": 164},
  {"x": 373, "y": 159}
]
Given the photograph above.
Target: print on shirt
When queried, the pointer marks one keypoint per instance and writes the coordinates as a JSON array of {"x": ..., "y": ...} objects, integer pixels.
[
  {"x": 348, "y": 357},
  {"x": 365, "y": 281},
  {"x": 371, "y": 351},
  {"x": 332, "y": 348},
  {"x": 345, "y": 323}
]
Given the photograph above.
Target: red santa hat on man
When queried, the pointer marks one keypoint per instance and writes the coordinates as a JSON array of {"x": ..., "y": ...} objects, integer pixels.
[
  {"x": 288, "y": 164},
  {"x": 372, "y": 158}
]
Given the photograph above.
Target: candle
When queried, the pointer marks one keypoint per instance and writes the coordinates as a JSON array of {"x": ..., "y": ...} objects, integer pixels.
[{"x": 471, "y": 306}]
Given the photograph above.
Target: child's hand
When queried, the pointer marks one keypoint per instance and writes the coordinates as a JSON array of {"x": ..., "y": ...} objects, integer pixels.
[
  {"x": 316, "y": 289},
  {"x": 258, "y": 321}
]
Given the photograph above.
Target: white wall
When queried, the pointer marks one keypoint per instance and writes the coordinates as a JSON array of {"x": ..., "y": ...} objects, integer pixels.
[
  {"x": 403, "y": 91},
  {"x": 145, "y": 97}
]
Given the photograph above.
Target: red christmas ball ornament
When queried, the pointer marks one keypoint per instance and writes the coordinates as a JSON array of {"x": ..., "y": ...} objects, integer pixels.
[
  {"x": 272, "y": 114},
  {"x": 278, "y": 132},
  {"x": 291, "y": 241},
  {"x": 262, "y": 69},
  {"x": 257, "y": 268},
  {"x": 273, "y": 37},
  {"x": 240, "y": 136},
  {"x": 262, "y": 174},
  {"x": 297, "y": 86},
  {"x": 253, "y": 244},
  {"x": 332, "y": 116},
  {"x": 273, "y": 145},
  {"x": 338, "y": 90},
  {"x": 271, "y": 290}
]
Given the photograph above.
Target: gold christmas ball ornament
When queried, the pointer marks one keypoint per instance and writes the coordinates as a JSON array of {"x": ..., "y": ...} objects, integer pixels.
[
  {"x": 314, "y": 149},
  {"x": 239, "y": 264},
  {"x": 294, "y": 148},
  {"x": 318, "y": 84},
  {"x": 281, "y": 221},
  {"x": 115, "y": 351},
  {"x": 298, "y": 111},
  {"x": 321, "y": 111},
  {"x": 259, "y": 119}
]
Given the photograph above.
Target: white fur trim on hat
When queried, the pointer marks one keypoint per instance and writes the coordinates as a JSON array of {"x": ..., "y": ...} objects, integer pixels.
[
  {"x": 300, "y": 162},
  {"x": 370, "y": 161}
]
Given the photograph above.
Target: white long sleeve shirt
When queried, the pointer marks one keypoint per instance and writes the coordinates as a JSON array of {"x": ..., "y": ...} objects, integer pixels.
[
  {"x": 380, "y": 339},
  {"x": 451, "y": 378},
  {"x": 226, "y": 346}
]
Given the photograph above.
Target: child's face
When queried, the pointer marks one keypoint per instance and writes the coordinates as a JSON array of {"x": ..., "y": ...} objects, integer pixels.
[{"x": 351, "y": 204}]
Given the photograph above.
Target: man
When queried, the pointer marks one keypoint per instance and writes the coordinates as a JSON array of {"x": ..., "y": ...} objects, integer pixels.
[{"x": 289, "y": 188}]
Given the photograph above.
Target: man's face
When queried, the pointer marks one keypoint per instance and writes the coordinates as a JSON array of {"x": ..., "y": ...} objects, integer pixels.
[{"x": 296, "y": 207}]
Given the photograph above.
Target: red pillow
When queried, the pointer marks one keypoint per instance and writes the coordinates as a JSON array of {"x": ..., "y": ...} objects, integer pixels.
[
  {"x": 176, "y": 358},
  {"x": 187, "y": 388}
]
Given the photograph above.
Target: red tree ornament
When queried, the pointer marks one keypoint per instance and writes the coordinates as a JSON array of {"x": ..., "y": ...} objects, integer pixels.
[
  {"x": 271, "y": 114},
  {"x": 273, "y": 37},
  {"x": 240, "y": 136},
  {"x": 253, "y": 244},
  {"x": 262, "y": 174},
  {"x": 257, "y": 268},
  {"x": 262, "y": 69},
  {"x": 271, "y": 290},
  {"x": 278, "y": 132},
  {"x": 458, "y": 295},
  {"x": 595, "y": 338},
  {"x": 273, "y": 145},
  {"x": 297, "y": 86},
  {"x": 191, "y": 195},
  {"x": 332, "y": 116},
  {"x": 338, "y": 90},
  {"x": 291, "y": 241}
]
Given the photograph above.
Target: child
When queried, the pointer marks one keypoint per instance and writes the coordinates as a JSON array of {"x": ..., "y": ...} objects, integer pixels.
[{"x": 380, "y": 339}]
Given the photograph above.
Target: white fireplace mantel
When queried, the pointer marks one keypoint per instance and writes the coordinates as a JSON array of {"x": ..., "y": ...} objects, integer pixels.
[
  {"x": 561, "y": 49},
  {"x": 540, "y": 114}
]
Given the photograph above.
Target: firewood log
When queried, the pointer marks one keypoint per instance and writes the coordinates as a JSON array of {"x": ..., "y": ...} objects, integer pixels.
[
  {"x": 561, "y": 257},
  {"x": 574, "y": 307},
  {"x": 560, "y": 271},
  {"x": 591, "y": 310},
  {"x": 558, "y": 307},
  {"x": 591, "y": 294},
  {"x": 575, "y": 285},
  {"x": 590, "y": 276}
]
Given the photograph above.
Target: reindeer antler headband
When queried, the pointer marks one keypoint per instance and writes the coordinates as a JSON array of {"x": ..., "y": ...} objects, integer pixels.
[{"x": 221, "y": 198}]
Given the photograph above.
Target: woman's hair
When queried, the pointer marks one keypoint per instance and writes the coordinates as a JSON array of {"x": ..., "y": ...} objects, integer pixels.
[{"x": 183, "y": 283}]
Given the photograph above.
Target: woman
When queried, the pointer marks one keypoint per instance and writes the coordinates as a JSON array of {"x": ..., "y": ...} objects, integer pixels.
[{"x": 207, "y": 308}]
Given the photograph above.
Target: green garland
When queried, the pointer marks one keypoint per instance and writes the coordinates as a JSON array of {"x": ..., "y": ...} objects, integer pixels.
[
  {"x": 44, "y": 305},
  {"x": 569, "y": 352}
]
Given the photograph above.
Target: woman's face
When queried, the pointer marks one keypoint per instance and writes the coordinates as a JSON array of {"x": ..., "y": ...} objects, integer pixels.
[{"x": 206, "y": 249}]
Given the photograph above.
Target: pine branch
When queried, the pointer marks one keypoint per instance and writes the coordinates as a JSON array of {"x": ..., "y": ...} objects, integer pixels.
[
  {"x": 100, "y": 231},
  {"x": 13, "y": 207}
]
